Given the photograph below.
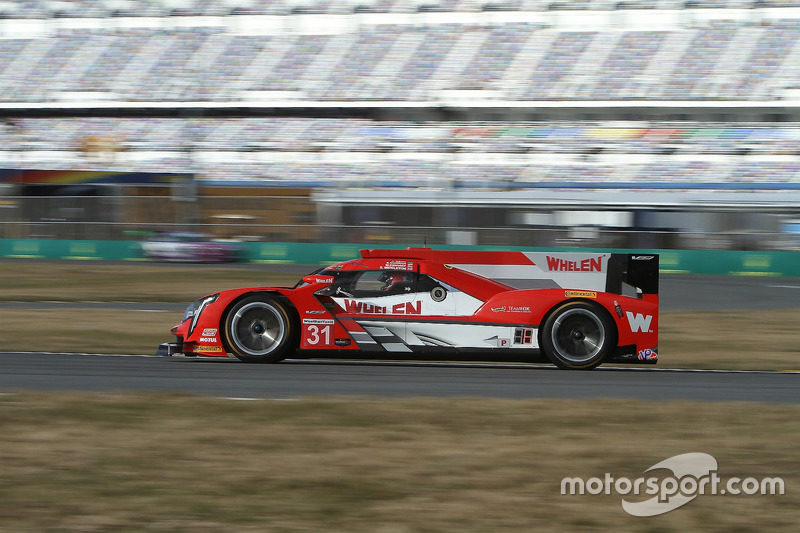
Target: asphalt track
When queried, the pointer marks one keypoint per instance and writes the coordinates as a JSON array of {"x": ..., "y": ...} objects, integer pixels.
[{"x": 298, "y": 378}]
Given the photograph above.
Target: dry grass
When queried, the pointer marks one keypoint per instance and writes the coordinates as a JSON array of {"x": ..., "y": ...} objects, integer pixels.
[
  {"x": 86, "y": 330},
  {"x": 33, "y": 281},
  {"x": 740, "y": 340},
  {"x": 182, "y": 463}
]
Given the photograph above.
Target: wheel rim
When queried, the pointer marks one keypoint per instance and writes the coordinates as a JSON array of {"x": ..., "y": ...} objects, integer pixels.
[
  {"x": 257, "y": 328},
  {"x": 578, "y": 335}
]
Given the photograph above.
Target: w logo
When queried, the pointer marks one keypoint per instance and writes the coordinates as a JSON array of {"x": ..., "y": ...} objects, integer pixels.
[{"x": 639, "y": 322}]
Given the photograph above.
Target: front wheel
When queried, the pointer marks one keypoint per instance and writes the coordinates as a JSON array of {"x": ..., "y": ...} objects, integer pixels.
[
  {"x": 259, "y": 329},
  {"x": 578, "y": 335}
]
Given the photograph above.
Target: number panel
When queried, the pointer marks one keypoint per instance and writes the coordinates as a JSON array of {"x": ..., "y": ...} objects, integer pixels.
[{"x": 318, "y": 334}]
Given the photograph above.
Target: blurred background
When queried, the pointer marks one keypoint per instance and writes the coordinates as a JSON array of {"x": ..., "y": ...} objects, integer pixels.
[{"x": 598, "y": 123}]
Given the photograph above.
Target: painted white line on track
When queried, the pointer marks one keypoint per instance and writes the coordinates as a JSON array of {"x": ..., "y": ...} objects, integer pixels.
[
  {"x": 81, "y": 353},
  {"x": 540, "y": 366},
  {"x": 145, "y": 356},
  {"x": 247, "y": 399},
  {"x": 695, "y": 370},
  {"x": 357, "y": 362}
]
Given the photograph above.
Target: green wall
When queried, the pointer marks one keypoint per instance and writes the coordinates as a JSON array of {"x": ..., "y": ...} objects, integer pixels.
[
  {"x": 672, "y": 261},
  {"x": 76, "y": 249}
]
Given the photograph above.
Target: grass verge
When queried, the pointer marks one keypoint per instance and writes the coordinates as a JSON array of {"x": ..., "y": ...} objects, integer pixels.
[
  {"x": 166, "y": 462},
  {"x": 76, "y": 281}
]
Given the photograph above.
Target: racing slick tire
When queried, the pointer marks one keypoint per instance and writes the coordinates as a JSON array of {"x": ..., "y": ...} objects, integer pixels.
[
  {"x": 578, "y": 335},
  {"x": 259, "y": 329}
]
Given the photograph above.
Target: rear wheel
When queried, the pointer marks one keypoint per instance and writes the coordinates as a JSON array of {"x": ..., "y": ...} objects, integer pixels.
[
  {"x": 259, "y": 329},
  {"x": 578, "y": 335}
]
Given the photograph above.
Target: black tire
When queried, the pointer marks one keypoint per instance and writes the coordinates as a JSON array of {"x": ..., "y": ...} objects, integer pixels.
[
  {"x": 578, "y": 335},
  {"x": 259, "y": 329}
]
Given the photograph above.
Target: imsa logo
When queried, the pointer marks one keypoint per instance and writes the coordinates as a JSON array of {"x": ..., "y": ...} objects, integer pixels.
[{"x": 639, "y": 322}]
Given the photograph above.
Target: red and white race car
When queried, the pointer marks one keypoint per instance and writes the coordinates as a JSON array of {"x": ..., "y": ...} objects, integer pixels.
[
  {"x": 576, "y": 310},
  {"x": 188, "y": 247}
]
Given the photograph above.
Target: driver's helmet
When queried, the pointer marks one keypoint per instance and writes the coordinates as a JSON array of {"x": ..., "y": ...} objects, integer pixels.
[{"x": 389, "y": 279}]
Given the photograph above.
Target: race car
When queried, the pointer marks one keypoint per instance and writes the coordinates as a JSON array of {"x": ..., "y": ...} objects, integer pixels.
[
  {"x": 576, "y": 310},
  {"x": 189, "y": 247}
]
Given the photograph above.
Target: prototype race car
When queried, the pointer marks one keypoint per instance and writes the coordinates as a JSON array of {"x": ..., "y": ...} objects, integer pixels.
[
  {"x": 576, "y": 310},
  {"x": 188, "y": 247}
]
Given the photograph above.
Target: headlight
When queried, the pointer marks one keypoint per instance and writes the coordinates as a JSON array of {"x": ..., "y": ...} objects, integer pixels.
[
  {"x": 195, "y": 309},
  {"x": 190, "y": 311}
]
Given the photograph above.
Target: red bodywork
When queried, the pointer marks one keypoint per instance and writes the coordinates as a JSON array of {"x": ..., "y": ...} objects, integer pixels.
[{"x": 484, "y": 295}]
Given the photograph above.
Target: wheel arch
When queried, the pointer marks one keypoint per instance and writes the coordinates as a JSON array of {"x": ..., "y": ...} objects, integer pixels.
[
  {"x": 291, "y": 310},
  {"x": 592, "y": 303}
]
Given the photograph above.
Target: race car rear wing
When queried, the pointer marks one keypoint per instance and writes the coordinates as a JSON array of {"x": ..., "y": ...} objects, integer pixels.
[
  {"x": 632, "y": 271},
  {"x": 617, "y": 273}
]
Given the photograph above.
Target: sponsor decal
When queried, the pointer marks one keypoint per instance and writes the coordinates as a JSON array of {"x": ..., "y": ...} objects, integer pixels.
[
  {"x": 403, "y": 308},
  {"x": 642, "y": 257},
  {"x": 407, "y": 308},
  {"x": 209, "y": 332},
  {"x": 639, "y": 322},
  {"x": 315, "y": 312},
  {"x": 323, "y": 279},
  {"x": 399, "y": 265},
  {"x": 208, "y": 349},
  {"x": 648, "y": 355},
  {"x": 590, "y": 264},
  {"x": 208, "y": 339},
  {"x": 580, "y": 294},
  {"x": 342, "y": 342},
  {"x": 511, "y": 309},
  {"x": 319, "y": 321}
]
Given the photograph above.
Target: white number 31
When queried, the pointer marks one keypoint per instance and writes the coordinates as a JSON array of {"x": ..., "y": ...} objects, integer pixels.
[{"x": 315, "y": 335}]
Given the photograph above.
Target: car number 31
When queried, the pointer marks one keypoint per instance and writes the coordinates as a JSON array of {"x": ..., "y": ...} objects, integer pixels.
[{"x": 318, "y": 335}]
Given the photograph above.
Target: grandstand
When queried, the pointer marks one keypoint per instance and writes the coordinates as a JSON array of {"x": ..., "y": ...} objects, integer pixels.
[
  {"x": 664, "y": 103},
  {"x": 451, "y": 53},
  {"x": 326, "y": 152}
]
